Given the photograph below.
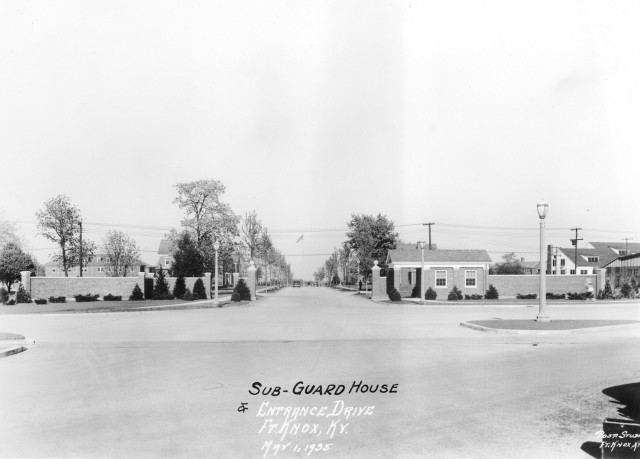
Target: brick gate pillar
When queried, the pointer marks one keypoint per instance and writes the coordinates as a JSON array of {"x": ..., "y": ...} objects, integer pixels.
[
  {"x": 378, "y": 290},
  {"x": 252, "y": 281},
  {"x": 25, "y": 277}
]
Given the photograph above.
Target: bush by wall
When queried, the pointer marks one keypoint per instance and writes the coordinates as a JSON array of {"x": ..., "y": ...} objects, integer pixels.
[
  {"x": 243, "y": 290},
  {"x": 455, "y": 294},
  {"x": 86, "y": 298},
  {"x": 180, "y": 288},
  {"x": 555, "y": 296},
  {"x": 492, "y": 293},
  {"x": 40, "y": 301},
  {"x": 188, "y": 296},
  {"x": 57, "y": 299},
  {"x": 4, "y": 295},
  {"x": 473, "y": 297},
  {"x": 199, "y": 292},
  {"x": 110, "y": 297},
  {"x": 136, "y": 294},
  {"x": 576, "y": 296},
  {"x": 394, "y": 295},
  {"x": 235, "y": 296},
  {"x": 22, "y": 296},
  {"x": 430, "y": 294},
  {"x": 415, "y": 293},
  {"x": 529, "y": 296}
]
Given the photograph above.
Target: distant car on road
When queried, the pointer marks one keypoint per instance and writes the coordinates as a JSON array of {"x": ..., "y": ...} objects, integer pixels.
[
  {"x": 315, "y": 284},
  {"x": 297, "y": 283}
]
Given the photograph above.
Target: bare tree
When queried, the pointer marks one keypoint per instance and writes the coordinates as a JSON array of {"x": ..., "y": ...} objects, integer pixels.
[{"x": 122, "y": 251}]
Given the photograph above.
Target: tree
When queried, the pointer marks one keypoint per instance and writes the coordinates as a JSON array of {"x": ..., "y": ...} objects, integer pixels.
[
  {"x": 187, "y": 259},
  {"x": 8, "y": 232},
  {"x": 199, "y": 291},
  {"x": 59, "y": 221},
  {"x": 251, "y": 233},
  {"x": 331, "y": 266},
  {"x": 180, "y": 288},
  {"x": 371, "y": 238},
  {"x": 161, "y": 287},
  {"x": 510, "y": 265},
  {"x": 12, "y": 262},
  {"x": 122, "y": 251}
]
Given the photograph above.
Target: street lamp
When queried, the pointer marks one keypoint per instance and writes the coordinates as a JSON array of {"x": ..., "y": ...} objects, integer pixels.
[
  {"x": 216, "y": 245},
  {"x": 543, "y": 207},
  {"x": 421, "y": 245}
]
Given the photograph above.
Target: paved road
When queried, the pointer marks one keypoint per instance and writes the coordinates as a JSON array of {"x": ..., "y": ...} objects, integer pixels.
[{"x": 168, "y": 384}]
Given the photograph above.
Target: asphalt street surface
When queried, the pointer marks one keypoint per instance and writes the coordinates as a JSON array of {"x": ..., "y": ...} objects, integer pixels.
[{"x": 171, "y": 383}]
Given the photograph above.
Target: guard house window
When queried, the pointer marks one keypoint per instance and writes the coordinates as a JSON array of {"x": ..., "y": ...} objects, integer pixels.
[
  {"x": 441, "y": 278},
  {"x": 592, "y": 259},
  {"x": 470, "y": 278},
  {"x": 410, "y": 277}
]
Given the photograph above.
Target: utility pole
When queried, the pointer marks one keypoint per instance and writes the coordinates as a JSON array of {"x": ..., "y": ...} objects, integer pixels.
[
  {"x": 429, "y": 225},
  {"x": 626, "y": 244},
  {"x": 80, "y": 249},
  {"x": 575, "y": 243}
]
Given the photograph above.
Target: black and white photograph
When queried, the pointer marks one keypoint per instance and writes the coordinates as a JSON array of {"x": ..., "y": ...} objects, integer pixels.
[{"x": 319, "y": 228}]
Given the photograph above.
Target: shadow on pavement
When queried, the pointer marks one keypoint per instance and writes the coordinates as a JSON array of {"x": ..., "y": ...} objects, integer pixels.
[{"x": 628, "y": 397}]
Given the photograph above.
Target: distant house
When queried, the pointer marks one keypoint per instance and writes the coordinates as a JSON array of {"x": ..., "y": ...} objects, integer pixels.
[
  {"x": 444, "y": 269},
  {"x": 595, "y": 255},
  {"x": 529, "y": 267},
  {"x": 623, "y": 269},
  {"x": 165, "y": 259},
  {"x": 98, "y": 267}
]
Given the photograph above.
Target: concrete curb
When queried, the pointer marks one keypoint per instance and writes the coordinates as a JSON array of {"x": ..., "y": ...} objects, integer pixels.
[
  {"x": 12, "y": 350},
  {"x": 548, "y": 332}
]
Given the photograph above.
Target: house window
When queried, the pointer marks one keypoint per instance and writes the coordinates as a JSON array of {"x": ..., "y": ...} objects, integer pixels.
[
  {"x": 107, "y": 260},
  {"x": 166, "y": 261},
  {"x": 554, "y": 262},
  {"x": 623, "y": 252},
  {"x": 98, "y": 259},
  {"x": 410, "y": 277},
  {"x": 583, "y": 271},
  {"x": 84, "y": 269},
  {"x": 100, "y": 269},
  {"x": 592, "y": 259},
  {"x": 573, "y": 271},
  {"x": 441, "y": 278},
  {"x": 562, "y": 262},
  {"x": 53, "y": 270},
  {"x": 470, "y": 278}
]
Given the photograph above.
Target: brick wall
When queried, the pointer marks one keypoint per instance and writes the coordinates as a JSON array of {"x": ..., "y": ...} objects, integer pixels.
[
  {"x": 44, "y": 287},
  {"x": 510, "y": 286}
]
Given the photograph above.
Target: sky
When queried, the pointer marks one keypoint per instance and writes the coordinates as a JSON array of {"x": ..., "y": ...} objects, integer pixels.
[{"x": 461, "y": 113}]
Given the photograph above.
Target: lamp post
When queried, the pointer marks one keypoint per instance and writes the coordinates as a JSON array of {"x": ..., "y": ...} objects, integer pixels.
[
  {"x": 358, "y": 261},
  {"x": 543, "y": 207},
  {"x": 421, "y": 245},
  {"x": 216, "y": 245}
]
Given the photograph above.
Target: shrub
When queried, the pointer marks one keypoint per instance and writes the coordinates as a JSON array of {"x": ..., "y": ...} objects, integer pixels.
[
  {"x": 180, "y": 288},
  {"x": 430, "y": 294},
  {"x": 188, "y": 296},
  {"x": 394, "y": 295},
  {"x": 555, "y": 296},
  {"x": 243, "y": 290},
  {"x": 199, "y": 292},
  {"x": 576, "y": 296},
  {"x": 528, "y": 296},
  {"x": 414, "y": 292},
  {"x": 40, "y": 301},
  {"x": 390, "y": 280},
  {"x": 455, "y": 294},
  {"x": 4, "y": 295},
  {"x": 110, "y": 297},
  {"x": 23, "y": 297},
  {"x": 473, "y": 297},
  {"x": 625, "y": 290},
  {"x": 607, "y": 293},
  {"x": 136, "y": 294},
  {"x": 492, "y": 293},
  {"x": 86, "y": 298},
  {"x": 11, "y": 302},
  {"x": 161, "y": 287},
  {"x": 57, "y": 299},
  {"x": 235, "y": 296}
]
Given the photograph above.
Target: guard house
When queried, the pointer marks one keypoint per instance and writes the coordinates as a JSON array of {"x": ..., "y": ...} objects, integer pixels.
[
  {"x": 466, "y": 269},
  {"x": 623, "y": 269}
]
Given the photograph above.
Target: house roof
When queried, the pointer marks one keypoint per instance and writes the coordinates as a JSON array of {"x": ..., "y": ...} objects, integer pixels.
[
  {"x": 53, "y": 264},
  {"x": 409, "y": 253},
  {"x": 165, "y": 245},
  {"x": 605, "y": 251},
  {"x": 529, "y": 264}
]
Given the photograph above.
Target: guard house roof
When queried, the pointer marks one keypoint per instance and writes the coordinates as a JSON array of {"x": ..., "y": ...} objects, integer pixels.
[{"x": 409, "y": 254}]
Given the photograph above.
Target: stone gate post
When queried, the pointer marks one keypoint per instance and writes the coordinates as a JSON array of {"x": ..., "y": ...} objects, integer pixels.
[{"x": 251, "y": 280}]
